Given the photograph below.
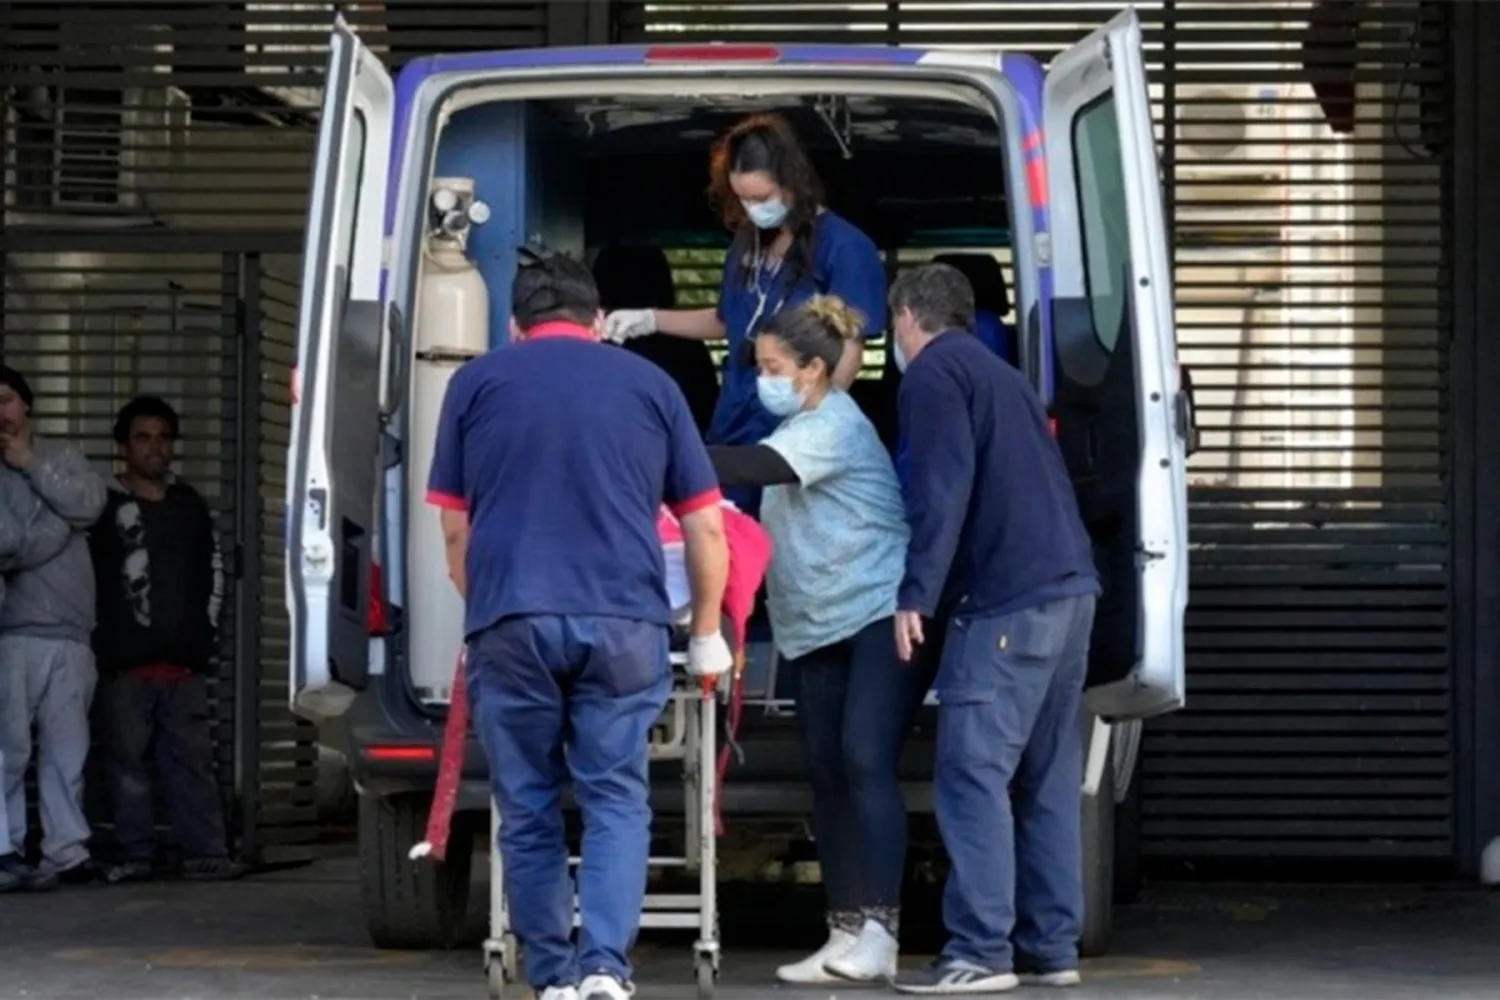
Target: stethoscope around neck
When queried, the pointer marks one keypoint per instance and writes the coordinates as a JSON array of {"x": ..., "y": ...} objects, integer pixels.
[{"x": 762, "y": 292}]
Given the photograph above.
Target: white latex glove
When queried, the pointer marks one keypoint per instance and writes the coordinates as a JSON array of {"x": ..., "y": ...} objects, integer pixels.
[
  {"x": 627, "y": 324},
  {"x": 709, "y": 656}
]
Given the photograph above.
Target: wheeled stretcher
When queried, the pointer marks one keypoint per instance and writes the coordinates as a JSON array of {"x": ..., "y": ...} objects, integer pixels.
[{"x": 687, "y": 732}]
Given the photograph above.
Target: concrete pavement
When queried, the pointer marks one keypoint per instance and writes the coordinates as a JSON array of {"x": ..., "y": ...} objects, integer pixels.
[{"x": 297, "y": 934}]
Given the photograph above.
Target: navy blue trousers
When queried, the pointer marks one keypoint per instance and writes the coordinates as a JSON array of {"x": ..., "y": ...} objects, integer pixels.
[{"x": 856, "y": 703}]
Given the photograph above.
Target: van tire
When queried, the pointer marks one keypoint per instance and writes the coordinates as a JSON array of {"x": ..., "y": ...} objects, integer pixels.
[
  {"x": 410, "y": 905},
  {"x": 1129, "y": 877},
  {"x": 1099, "y": 867}
]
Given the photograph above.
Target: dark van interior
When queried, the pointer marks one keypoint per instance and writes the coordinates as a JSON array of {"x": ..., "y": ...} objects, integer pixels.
[{"x": 621, "y": 182}]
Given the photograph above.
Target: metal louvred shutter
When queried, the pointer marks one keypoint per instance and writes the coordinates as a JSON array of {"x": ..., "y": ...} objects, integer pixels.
[
  {"x": 147, "y": 149},
  {"x": 91, "y": 331},
  {"x": 286, "y": 756},
  {"x": 198, "y": 116},
  {"x": 1304, "y": 158}
]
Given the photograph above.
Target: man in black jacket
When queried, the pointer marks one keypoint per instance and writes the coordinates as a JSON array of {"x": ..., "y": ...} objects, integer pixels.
[{"x": 160, "y": 586}]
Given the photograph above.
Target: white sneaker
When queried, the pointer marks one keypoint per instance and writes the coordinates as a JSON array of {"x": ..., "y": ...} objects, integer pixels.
[
  {"x": 559, "y": 993},
  {"x": 871, "y": 958},
  {"x": 810, "y": 971},
  {"x": 602, "y": 986},
  {"x": 1057, "y": 977}
]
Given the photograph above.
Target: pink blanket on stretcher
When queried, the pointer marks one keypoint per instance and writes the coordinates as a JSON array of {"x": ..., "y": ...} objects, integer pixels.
[{"x": 749, "y": 558}]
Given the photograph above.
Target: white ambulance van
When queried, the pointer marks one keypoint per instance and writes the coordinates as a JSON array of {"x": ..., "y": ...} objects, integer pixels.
[{"x": 427, "y": 185}]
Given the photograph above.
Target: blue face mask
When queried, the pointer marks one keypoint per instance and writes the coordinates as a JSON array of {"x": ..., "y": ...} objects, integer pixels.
[
  {"x": 778, "y": 395},
  {"x": 766, "y": 214}
]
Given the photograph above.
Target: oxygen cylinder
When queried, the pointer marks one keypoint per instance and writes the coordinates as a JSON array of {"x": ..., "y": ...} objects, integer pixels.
[{"x": 452, "y": 325}]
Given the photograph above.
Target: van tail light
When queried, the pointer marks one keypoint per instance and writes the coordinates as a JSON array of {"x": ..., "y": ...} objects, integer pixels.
[
  {"x": 1052, "y": 426},
  {"x": 378, "y": 622},
  {"x": 402, "y": 753}
]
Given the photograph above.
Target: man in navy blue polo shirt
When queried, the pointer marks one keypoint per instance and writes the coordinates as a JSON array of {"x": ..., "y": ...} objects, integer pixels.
[
  {"x": 999, "y": 550},
  {"x": 553, "y": 458}
]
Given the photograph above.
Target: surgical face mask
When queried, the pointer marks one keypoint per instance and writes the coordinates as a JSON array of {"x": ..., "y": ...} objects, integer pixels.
[
  {"x": 899, "y": 354},
  {"x": 767, "y": 214},
  {"x": 778, "y": 395}
]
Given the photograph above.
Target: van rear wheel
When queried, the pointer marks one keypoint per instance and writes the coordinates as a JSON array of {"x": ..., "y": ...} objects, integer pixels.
[{"x": 411, "y": 905}]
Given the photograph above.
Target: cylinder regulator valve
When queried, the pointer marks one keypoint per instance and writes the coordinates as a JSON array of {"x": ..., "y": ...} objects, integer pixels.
[{"x": 454, "y": 209}]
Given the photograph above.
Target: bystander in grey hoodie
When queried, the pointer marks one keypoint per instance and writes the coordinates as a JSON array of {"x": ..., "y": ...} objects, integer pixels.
[{"x": 49, "y": 577}]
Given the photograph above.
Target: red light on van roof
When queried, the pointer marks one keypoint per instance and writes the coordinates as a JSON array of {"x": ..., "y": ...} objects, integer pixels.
[{"x": 713, "y": 53}]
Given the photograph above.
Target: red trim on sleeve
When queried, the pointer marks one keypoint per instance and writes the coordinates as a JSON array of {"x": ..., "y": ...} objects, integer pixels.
[
  {"x": 693, "y": 504},
  {"x": 446, "y": 501}
]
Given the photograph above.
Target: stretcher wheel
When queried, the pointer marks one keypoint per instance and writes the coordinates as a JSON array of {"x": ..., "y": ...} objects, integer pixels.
[
  {"x": 708, "y": 977},
  {"x": 500, "y": 966}
]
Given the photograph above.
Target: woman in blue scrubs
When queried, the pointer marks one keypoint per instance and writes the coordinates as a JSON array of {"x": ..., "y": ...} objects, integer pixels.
[{"x": 787, "y": 246}]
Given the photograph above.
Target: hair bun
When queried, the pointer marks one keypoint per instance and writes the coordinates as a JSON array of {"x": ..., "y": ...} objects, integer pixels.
[{"x": 841, "y": 319}]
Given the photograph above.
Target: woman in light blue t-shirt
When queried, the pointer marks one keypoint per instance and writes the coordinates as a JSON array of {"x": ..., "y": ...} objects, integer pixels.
[{"x": 834, "y": 512}]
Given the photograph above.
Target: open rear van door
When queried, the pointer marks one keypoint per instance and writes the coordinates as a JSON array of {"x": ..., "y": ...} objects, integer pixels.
[
  {"x": 1121, "y": 423},
  {"x": 333, "y": 463}
]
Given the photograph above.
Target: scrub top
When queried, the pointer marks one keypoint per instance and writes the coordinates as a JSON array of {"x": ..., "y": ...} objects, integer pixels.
[
  {"x": 845, "y": 263},
  {"x": 839, "y": 533},
  {"x": 562, "y": 452}
]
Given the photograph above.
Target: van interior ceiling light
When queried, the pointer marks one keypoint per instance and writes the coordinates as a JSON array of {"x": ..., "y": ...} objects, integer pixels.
[{"x": 835, "y": 113}]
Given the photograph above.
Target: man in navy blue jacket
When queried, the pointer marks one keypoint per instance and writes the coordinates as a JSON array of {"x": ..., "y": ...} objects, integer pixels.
[{"x": 998, "y": 551}]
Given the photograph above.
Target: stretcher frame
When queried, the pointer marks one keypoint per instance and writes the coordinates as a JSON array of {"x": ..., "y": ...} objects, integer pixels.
[{"x": 688, "y": 732}]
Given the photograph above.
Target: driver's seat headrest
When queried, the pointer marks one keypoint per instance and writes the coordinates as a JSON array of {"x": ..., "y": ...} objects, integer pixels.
[
  {"x": 985, "y": 275},
  {"x": 634, "y": 277}
]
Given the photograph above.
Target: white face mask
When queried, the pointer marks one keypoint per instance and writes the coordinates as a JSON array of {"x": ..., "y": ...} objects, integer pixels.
[
  {"x": 766, "y": 214},
  {"x": 898, "y": 353},
  {"x": 779, "y": 395}
]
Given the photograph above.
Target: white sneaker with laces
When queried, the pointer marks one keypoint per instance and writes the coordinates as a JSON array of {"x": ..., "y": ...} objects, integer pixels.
[
  {"x": 811, "y": 970},
  {"x": 1057, "y": 977},
  {"x": 602, "y": 986},
  {"x": 871, "y": 958},
  {"x": 559, "y": 993}
]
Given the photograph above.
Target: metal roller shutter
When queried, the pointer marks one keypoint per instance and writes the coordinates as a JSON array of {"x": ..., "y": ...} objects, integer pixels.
[
  {"x": 1304, "y": 159},
  {"x": 91, "y": 331},
  {"x": 152, "y": 152},
  {"x": 281, "y": 779}
]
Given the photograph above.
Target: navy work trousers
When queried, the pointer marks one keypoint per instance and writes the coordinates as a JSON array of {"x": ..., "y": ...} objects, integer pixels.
[
  {"x": 855, "y": 706},
  {"x": 574, "y": 696},
  {"x": 1007, "y": 786}
]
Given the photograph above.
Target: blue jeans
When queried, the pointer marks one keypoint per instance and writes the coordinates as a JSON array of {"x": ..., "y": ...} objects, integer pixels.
[
  {"x": 1007, "y": 783},
  {"x": 855, "y": 706},
  {"x": 571, "y": 696}
]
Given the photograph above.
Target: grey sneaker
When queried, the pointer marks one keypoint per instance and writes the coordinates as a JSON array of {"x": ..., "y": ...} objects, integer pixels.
[
  {"x": 1050, "y": 977},
  {"x": 954, "y": 977},
  {"x": 17, "y": 876},
  {"x": 211, "y": 869},
  {"x": 128, "y": 871}
]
